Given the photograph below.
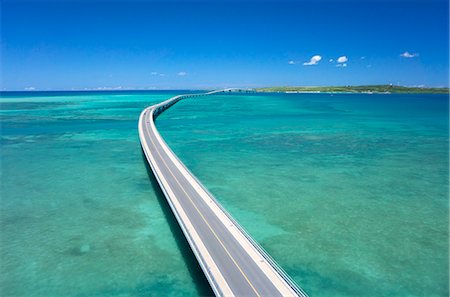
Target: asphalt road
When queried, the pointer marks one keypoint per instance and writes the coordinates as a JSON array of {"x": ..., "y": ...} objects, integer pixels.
[{"x": 232, "y": 264}]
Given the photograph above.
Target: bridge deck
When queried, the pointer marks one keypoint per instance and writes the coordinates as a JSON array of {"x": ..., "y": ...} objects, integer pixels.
[{"x": 233, "y": 263}]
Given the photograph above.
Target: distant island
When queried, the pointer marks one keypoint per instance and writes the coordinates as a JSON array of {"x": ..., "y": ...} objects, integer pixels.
[{"x": 369, "y": 89}]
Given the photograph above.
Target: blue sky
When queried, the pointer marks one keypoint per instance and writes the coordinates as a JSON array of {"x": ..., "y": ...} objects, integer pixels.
[{"x": 172, "y": 45}]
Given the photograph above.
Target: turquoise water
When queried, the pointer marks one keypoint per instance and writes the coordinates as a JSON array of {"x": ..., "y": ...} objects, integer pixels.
[{"x": 349, "y": 193}]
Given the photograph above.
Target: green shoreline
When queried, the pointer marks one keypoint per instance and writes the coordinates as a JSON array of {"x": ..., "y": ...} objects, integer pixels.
[{"x": 369, "y": 89}]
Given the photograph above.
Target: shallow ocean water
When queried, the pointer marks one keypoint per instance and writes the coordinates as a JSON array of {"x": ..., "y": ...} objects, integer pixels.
[{"x": 349, "y": 193}]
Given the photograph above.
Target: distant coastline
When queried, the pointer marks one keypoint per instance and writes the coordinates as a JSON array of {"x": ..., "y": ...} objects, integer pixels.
[
  {"x": 369, "y": 89},
  {"x": 365, "y": 89}
]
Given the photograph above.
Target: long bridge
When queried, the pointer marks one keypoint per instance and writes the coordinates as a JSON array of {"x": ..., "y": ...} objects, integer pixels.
[{"x": 234, "y": 263}]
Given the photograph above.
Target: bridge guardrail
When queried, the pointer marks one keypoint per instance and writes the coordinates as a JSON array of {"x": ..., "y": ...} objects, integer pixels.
[{"x": 159, "y": 108}]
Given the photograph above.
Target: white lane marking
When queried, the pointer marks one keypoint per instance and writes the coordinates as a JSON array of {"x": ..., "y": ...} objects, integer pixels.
[{"x": 267, "y": 269}]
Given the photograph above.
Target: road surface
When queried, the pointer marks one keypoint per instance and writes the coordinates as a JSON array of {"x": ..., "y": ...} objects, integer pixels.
[{"x": 234, "y": 264}]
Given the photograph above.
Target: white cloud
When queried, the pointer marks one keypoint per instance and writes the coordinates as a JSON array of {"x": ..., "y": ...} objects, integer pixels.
[
  {"x": 106, "y": 88},
  {"x": 409, "y": 55},
  {"x": 29, "y": 88},
  {"x": 291, "y": 62},
  {"x": 154, "y": 73},
  {"x": 182, "y": 73},
  {"x": 341, "y": 65},
  {"x": 363, "y": 57},
  {"x": 342, "y": 59},
  {"x": 331, "y": 60},
  {"x": 313, "y": 61}
]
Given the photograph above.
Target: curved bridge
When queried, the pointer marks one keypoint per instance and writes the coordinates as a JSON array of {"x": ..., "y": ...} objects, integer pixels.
[{"x": 234, "y": 264}]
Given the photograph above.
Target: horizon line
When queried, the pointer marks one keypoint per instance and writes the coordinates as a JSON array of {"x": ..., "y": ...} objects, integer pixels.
[{"x": 106, "y": 89}]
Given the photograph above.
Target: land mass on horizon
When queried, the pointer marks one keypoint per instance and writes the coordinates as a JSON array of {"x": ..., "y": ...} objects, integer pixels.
[{"x": 355, "y": 89}]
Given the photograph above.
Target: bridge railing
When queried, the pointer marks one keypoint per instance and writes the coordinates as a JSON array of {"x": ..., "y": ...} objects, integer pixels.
[
  {"x": 166, "y": 104},
  {"x": 255, "y": 244},
  {"x": 160, "y": 107}
]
